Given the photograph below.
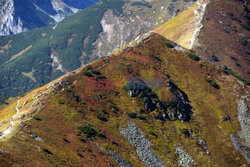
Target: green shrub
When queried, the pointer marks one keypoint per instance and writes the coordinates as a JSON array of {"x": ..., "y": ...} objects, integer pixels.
[
  {"x": 230, "y": 72},
  {"x": 212, "y": 83},
  {"x": 46, "y": 150},
  {"x": 79, "y": 154},
  {"x": 89, "y": 67},
  {"x": 193, "y": 57},
  {"x": 215, "y": 85},
  {"x": 152, "y": 133},
  {"x": 243, "y": 42},
  {"x": 82, "y": 139},
  {"x": 90, "y": 108},
  {"x": 132, "y": 114},
  {"x": 233, "y": 58},
  {"x": 60, "y": 101},
  {"x": 231, "y": 15},
  {"x": 186, "y": 132},
  {"x": 88, "y": 74},
  {"x": 169, "y": 44},
  {"x": 94, "y": 71},
  {"x": 237, "y": 64},
  {"x": 88, "y": 131},
  {"x": 101, "y": 135},
  {"x": 170, "y": 104},
  {"x": 64, "y": 139},
  {"x": 37, "y": 118},
  {"x": 142, "y": 117},
  {"x": 100, "y": 77},
  {"x": 208, "y": 80},
  {"x": 246, "y": 27},
  {"x": 214, "y": 58},
  {"x": 145, "y": 99},
  {"x": 101, "y": 117}
]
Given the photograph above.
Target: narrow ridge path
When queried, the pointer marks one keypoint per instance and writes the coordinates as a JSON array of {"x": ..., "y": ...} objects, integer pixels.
[{"x": 11, "y": 128}]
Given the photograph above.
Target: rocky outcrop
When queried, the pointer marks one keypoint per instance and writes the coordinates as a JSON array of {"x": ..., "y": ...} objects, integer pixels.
[
  {"x": 17, "y": 16},
  {"x": 119, "y": 30},
  {"x": 194, "y": 40},
  {"x": 9, "y": 24},
  {"x": 239, "y": 148},
  {"x": 181, "y": 109},
  {"x": 185, "y": 160},
  {"x": 143, "y": 146},
  {"x": 120, "y": 160},
  {"x": 244, "y": 134},
  {"x": 244, "y": 119}
]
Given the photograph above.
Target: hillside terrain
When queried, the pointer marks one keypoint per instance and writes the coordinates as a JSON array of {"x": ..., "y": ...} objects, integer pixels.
[
  {"x": 218, "y": 31},
  {"x": 153, "y": 103},
  {"x": 18, "y": 16},
  {"x": 31, "y": 59},
  {"x": 224, "y": 38}
]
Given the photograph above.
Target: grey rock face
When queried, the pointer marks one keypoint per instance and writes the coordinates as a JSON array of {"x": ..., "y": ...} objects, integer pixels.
[
  {"x": 36, "y": 137},
  {"x": 8, "y": 24},
  {"x": 142, "y": 145},
  {"x": 18, "y": 16},
  {"x": 121, "y": 30},
  {"x": 244, "y": 134},
  {"x": 238, "y": 147},
  {"x": 244, "y": 119},
  {"x": 184, "y": 159},
  {"x": 120, "y": 160}
]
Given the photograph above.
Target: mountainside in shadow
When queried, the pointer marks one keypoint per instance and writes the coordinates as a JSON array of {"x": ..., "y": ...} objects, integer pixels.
[
  {"x": 18, "y": 16},
  {"x": 153, "y": 103},
  {"x": 31, "y": 59}
]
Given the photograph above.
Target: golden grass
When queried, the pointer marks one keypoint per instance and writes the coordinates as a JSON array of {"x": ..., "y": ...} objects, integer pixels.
[
  {"x": 5, "y": 47},
  {"x": 180, "y": 29},
  {"x": 19, "y": 54},
  {"x": 30, "y": 75},
  {"x": 60, "y": 120}
]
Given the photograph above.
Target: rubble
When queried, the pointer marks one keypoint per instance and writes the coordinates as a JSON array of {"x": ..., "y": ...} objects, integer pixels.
[
  {"x": 143, "y": 146},
  {"x": 185, "y": 160},
  {"x": 120, "y": 160},
  {"x": 36, "y": 137}
]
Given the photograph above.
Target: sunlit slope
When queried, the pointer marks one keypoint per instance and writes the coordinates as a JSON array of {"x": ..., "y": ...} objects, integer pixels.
[
  {"x": 181, "y": 28},
  {"x": 81, "y": 121},
  {"x": 31, "y": 103}
]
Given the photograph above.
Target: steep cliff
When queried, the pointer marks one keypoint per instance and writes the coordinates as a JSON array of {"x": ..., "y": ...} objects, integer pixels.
[{"x": 19, "y": 16}]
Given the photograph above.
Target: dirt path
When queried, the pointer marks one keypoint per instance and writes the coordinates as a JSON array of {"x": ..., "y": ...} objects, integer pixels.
[{"x": 11, "y": 128}]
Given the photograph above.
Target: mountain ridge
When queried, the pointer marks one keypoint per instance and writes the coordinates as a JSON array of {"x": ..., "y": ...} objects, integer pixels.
[
  {"x": 76, "y": 105},
  {"x": 77, "y": 40}
]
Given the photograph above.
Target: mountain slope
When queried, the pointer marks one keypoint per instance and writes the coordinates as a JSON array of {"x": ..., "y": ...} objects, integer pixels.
[
  {"x": 218, "y": 31},
  {"x": 149, "y": 101},
  {"x": 19, "y": 16},
  {"x": 183, "y": 28},
  {"x": 47, "y": 53},
  {"x": 225, "y": 36}
]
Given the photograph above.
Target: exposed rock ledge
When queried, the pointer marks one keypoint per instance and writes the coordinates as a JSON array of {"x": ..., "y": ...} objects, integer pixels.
[{"x": 142, "y": 145}]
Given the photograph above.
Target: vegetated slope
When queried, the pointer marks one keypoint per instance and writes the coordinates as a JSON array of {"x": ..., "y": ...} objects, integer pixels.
[
  {"x": 181, "y": 28},
  {"x": 47, "y": 53},
  {"x": 222, "y": 37},
  {"x": 19, "y": 16},
  {"x": 149, "y": 102}
]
